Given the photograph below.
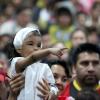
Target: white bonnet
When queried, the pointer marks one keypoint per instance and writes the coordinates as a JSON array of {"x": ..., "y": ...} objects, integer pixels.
[{"x": 22, "y": 34}]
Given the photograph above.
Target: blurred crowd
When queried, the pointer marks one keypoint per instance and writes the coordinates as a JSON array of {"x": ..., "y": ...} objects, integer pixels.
[
  {"x": 62, "y": 24},
  {"x": 56, "y": 19}
]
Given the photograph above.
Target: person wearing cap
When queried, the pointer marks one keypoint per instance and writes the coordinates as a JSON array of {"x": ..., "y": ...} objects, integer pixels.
[
  {"x": 60, "y": 32},
  {"x": 27, "y": 43}
]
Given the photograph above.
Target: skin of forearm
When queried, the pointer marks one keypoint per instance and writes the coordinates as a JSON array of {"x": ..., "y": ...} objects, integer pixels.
[{"x": 35, "y": 56}]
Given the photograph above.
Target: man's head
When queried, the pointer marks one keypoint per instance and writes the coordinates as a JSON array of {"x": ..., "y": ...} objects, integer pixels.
[{"x": 86, "y": 63}]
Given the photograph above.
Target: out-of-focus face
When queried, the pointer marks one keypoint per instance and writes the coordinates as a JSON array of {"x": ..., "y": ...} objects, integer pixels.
[
  {"x": 96, "y": 12},
  {"x": 78, "y": 38},
  {"x": 81, "y": 19},
  {"x": 3, "y": 41},
  {"x": 88, "y": 69},
  {"x": 60, "y": 76},
  {"x": 9, "y": 11},
  {"x": 93, "y": 38},
  {"x": 31, "y": 43},
  {"x": 64, "y": 20},
  {"x": 46, "y": 40},
  {"x": 24, "y": 17}
]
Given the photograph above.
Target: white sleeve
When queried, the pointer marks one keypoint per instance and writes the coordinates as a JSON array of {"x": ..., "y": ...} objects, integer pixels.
[
  {"x": 51, "y": 80},
  {"x": 12, "y": 70},
  {"x": 48, "y": 75}
]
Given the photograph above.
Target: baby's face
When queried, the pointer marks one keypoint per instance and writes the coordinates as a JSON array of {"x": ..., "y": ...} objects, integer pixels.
[{"x": 31, "y": 43}]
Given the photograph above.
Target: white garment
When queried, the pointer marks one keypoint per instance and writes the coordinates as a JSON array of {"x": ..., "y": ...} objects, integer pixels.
[{"x": 33, "y": 74}]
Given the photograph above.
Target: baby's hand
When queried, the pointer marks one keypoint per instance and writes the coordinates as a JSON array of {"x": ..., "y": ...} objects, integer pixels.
[{"x": 57, "y": 51}]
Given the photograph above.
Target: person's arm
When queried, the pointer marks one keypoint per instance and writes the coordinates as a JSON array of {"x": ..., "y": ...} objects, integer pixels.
[
  {"x": 21, "y": 64},
  {"x": 16, "y": 84},
  {"x": 12, "y": 96}
]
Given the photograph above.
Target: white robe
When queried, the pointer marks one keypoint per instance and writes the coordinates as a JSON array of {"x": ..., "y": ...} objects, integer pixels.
[{"x": 33, "y": 74}]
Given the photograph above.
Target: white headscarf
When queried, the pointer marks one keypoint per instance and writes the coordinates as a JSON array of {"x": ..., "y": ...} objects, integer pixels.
[{"x": 22, "y": 34}]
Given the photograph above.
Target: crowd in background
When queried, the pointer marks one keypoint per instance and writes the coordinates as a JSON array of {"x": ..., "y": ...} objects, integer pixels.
[
  {"x": 56, "y": 19},
  {"x": 62, "y": 24}
]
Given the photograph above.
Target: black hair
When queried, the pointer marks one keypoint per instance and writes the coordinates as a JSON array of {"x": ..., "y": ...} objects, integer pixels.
[
  {"x": 64, "y": 11},
  {"x": 62, "y": 63},
  {"x": 35, "y": 33},
  {"x": 44, "y": 32},
  {"x": 10, "y": 50},
  {"x": 86, "y": 47},
  {"x": 88, "y": 94}
]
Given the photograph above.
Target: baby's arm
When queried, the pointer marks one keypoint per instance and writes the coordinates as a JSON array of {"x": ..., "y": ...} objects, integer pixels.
[{"x": 22, "y": 63}]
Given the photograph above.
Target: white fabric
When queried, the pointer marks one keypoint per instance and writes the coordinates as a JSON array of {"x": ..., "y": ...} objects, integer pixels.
[
  {"x": 22, "y": 34},
  {"x": 33, "y": 74}
]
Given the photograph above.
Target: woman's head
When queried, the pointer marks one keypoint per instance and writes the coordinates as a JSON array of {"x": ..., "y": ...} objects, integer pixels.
[
  {"x": 27, "y": 40},
  {"x": 61, "y": 73}
]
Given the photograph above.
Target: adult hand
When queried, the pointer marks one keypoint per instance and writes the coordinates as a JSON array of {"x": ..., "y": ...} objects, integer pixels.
[
  {"x": 17, "y": 83},
  {"x": 44, "y": 89}
]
